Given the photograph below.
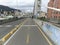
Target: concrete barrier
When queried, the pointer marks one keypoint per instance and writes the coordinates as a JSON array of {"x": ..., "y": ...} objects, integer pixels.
[{"x": 53, "y": 32}]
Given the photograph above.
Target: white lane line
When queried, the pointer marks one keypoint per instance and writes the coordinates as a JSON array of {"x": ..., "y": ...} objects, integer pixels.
[
  {"x": 1, "y": 25},
  {"x": 12, "y": 36},
  {"x": 50, "y": 43},
  {"x": 29, "y": 25},
  {"x": 7, "y": 25}
]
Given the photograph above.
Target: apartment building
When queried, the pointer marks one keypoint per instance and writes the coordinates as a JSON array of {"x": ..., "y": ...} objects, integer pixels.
[
  {"x": 54, "y": 15},
  {"x": 50, "y": 4},
  {"x": 37, "y": 7}
]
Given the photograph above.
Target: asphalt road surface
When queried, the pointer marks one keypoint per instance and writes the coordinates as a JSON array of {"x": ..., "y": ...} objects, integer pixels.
[
  {"x": 7, "y": 27},
  {"x": 28, "y": 34}
]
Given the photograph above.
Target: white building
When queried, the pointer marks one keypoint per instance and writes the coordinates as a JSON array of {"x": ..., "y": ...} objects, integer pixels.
[
  {"x": 5, "y": 13},
  {"x": 17, "y": 13},
  {"x": 43, "y": 14},
  {"x": 37, "y": 7}
]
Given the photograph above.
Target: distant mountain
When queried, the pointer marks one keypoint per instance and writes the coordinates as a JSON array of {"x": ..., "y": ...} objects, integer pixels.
[{"x": 6, "y": 8}]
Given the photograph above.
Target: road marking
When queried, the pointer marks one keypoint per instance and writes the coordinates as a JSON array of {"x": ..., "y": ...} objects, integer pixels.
[
  {"x": 29, "y": 25},
  {"x": 27, "y": 40},
  {"x": 5, "y": 25},
  {"x": 50, "y": 43},
  {"x": 45, "y": 36},
  {"x": 20, "y": 25},
  {"x": 8, "y": 25},
  {"x": 12, "y": 36}
]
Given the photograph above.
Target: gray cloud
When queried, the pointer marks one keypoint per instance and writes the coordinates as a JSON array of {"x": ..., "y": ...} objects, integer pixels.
[{"x": 23, "y": 4}]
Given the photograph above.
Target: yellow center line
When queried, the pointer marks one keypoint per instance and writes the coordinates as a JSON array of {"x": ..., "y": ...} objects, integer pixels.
[
  {"x": 28, "y": 37},
  {"x": 27, "y": 40}
]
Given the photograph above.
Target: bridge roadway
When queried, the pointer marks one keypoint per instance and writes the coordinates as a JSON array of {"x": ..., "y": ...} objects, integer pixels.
[
  {"x": 7, "y": 27},
  {"x": 28, "y": 34}
]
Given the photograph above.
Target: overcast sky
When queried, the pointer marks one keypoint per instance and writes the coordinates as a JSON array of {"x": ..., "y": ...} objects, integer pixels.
[
  {"x": 22, "y": 4},
  {"x": 44, "y": 5}
]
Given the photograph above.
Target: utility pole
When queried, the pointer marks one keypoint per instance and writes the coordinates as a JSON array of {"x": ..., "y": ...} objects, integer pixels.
[{"x": 37, "y": 8}]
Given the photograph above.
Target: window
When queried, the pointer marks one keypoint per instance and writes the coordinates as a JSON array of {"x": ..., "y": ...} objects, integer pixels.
[
  {"x": 56, "y": 12},
  {"x": 38, "y": 5},
  {"x": 59, "y": 12},
  {"x": 39, "y": 0},
  {"x": 55, "y": 17},
  {"x": 59, "y": 16},
  {"x": 38, "y": 12},
  {"x": 53, "y": 0}
]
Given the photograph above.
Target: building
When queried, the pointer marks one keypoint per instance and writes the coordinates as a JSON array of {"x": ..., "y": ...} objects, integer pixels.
[
  {"x": 37, "y": 7},
  {"x": 54, "y": 15},
  {"x": 17, "y": 13},
  {"x": 5, "y": 13},
  {"x": 49, "y": 12},
  {"x": 43, "y": 14}
]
